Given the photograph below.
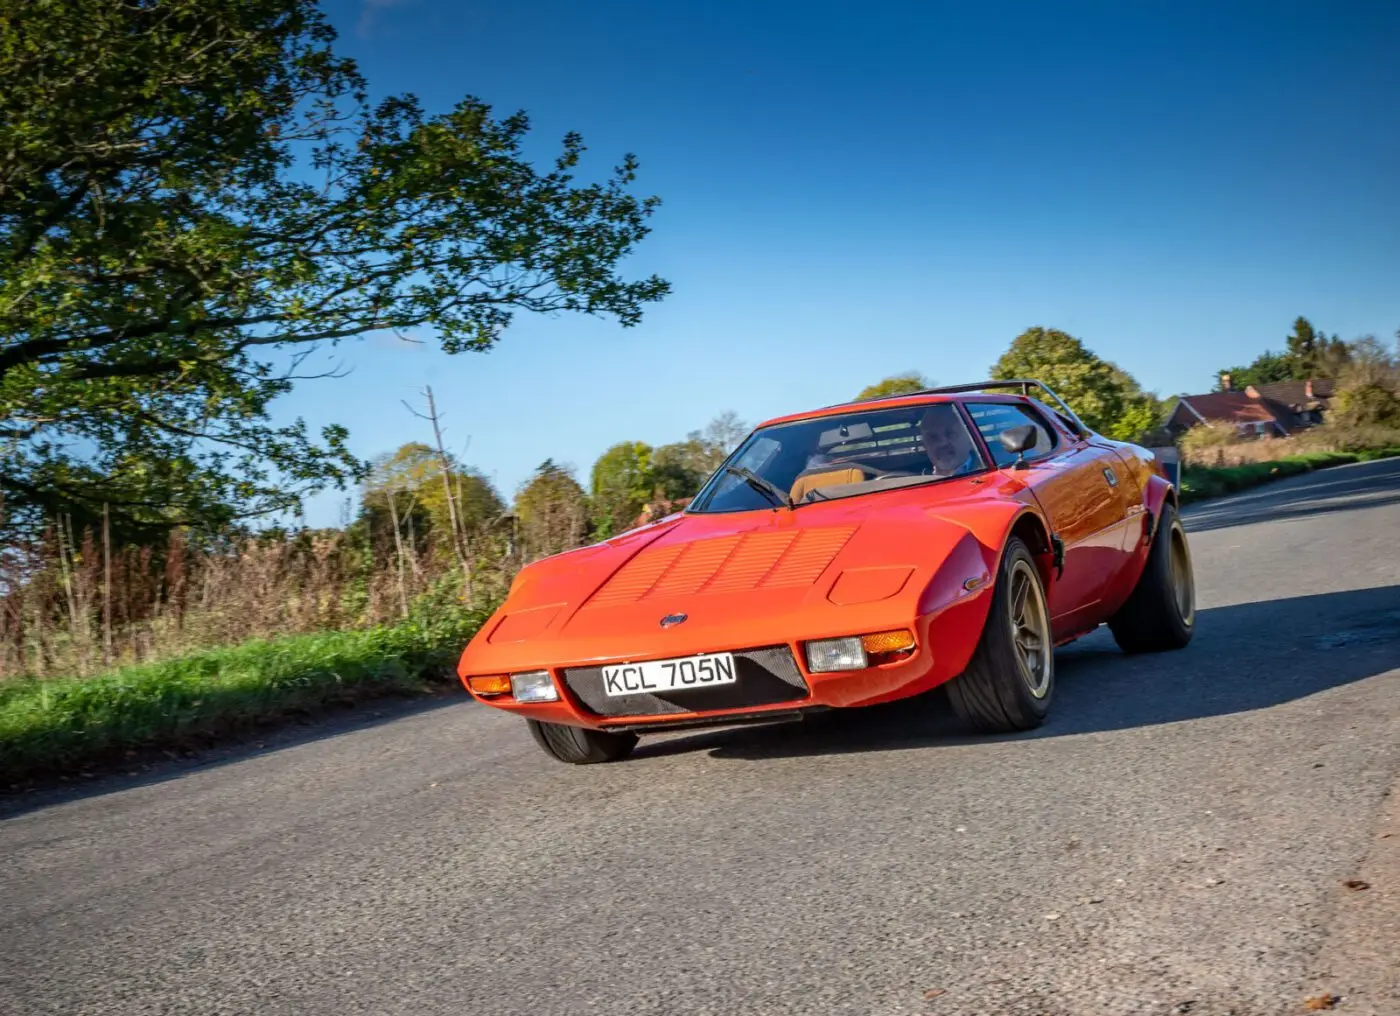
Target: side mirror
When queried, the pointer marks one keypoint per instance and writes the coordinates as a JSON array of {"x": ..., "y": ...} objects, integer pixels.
[{"x": 1018, "y": 441}]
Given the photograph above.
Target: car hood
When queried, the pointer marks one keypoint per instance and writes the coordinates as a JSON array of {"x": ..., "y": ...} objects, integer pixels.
[{"x": 729, "y": 581}]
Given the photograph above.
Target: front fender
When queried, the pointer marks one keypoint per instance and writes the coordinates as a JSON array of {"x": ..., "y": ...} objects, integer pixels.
[{"x": 958, "y": 598}]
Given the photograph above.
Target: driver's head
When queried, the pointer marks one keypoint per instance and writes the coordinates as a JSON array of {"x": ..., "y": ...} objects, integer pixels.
[{"x": 945, "y": 439}]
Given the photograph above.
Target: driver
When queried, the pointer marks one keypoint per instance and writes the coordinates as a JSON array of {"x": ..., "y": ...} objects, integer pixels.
[{"x": 947, "y": 443}]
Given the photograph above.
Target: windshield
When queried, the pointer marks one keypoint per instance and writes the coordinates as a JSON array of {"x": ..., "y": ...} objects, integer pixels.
[{"x": 842, "y": 456}]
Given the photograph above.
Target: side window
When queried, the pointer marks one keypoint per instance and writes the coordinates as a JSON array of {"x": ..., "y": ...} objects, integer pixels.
[{"x": 994, "y": 417}]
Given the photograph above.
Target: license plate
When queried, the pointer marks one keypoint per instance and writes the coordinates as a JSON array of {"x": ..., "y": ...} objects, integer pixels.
[{"x": 654, "y": 676}]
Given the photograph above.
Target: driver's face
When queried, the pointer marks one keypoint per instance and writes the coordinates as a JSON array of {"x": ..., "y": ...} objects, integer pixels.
[{"x": 945, "y": 438}]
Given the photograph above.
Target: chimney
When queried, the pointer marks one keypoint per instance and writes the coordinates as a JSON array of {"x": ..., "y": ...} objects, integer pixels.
[{"x": 1227, "y": 384}]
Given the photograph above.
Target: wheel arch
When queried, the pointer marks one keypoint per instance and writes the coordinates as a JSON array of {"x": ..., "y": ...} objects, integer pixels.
[
  {"x": 1034, "y": 532},
  {"x": 1159, "y": 491}
]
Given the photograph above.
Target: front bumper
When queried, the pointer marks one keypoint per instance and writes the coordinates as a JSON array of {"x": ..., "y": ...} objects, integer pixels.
[
  {"x": 773, "y": 680},
  {"x": 766, "y": 676}
]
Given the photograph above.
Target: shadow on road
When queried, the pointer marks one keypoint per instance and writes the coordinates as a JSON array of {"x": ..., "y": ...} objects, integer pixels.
[
  {"x": 1373, "y": 485},
  {"x": 1244, "y": 657}
]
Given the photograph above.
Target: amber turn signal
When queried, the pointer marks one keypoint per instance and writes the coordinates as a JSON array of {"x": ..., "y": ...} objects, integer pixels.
[
  {"x": 888, "y": 646},
  {"x": 888, "y": 642},
  {"x": 490, "y": 684}
]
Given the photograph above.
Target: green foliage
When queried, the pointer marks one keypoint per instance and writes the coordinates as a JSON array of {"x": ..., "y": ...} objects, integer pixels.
[
  {"x": 190, "y": 183},
  {"x": 413, "y": 474},
  {"x": 681, "y": 468},
  {"x": 50, "y": 726},
  {"x": 632, "y": 475},
  {"x": 1368, "y": 390},
  {"x": 896, "y": 384},
  {"x": 678, "y": 469},
  {"x": 551, "y": 512},
  {"x": 1312, "y": 354},
  {"x": 623, "y": 482},
  {"x": 1103, "y": 395},
  {"x": 1267, "y": 368},
  {"x": 1308, "y": 353},
  {"x": 1366, "y": 404}
]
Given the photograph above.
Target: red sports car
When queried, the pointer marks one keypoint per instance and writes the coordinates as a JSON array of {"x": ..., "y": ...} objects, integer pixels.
[{"x": 849, "y": 556}]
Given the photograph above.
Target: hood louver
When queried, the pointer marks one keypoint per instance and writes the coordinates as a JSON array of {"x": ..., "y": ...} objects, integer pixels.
[{"x": 725, "y": 564}]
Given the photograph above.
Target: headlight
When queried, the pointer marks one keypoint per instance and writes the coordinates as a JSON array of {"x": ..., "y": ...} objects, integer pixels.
[
  {"x": 859, "y": 651},
  {"x": 533, "y": 686},
  {"x": 835, "y": 654}
]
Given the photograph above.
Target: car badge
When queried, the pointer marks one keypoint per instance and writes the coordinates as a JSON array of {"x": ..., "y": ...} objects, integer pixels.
[{"x": 673, "y": 619}]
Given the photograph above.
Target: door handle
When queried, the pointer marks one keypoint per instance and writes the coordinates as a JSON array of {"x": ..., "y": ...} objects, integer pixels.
[{"x": 1110, "y": 476}]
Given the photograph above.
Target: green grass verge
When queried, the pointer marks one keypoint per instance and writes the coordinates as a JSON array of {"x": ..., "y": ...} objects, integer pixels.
[
  {"x": 62, "y": 726},
  {"x": 1201, "y": 482}
]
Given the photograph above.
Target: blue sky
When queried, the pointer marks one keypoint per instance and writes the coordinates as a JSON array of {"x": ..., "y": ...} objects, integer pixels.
[{"x": 855, "y": 190}]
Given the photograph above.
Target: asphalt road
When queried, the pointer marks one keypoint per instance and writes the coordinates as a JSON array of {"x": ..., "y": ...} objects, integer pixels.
[{"x": 1175, "y": 840}]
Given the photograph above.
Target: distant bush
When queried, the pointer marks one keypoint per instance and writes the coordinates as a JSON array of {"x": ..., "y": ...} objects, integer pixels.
[{"x": 1367, "y": 405}]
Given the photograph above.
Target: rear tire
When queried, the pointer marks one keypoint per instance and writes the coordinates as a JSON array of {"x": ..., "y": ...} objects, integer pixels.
[
  {"x": 1161, "y": 612},
  {"x": 579, "y": 745},
  {"x": 1010, "y": 682}
]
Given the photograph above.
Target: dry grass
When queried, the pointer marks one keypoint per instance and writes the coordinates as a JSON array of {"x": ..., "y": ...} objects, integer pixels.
[
  {"x": 1217, "y": 448},
  {"x": 61, "y": 616}
]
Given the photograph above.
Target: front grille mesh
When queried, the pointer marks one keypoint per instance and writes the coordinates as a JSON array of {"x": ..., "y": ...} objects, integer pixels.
[{"x": 765, "y": 676}]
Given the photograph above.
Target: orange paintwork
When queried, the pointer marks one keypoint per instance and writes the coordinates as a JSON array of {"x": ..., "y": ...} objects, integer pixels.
[{"x": 921, "y": 558}]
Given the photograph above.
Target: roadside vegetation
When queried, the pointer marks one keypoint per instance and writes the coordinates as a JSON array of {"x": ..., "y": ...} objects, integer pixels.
[
  {"x": 1363, "y": 422},
  {"x": 1199, "y": 483},
  {"x": 158, "y": 238},
  {"x": 61, "y": 726}
]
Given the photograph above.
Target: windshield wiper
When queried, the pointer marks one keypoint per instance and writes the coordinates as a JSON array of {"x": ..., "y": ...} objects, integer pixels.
[{"x": 758, "y": 483}]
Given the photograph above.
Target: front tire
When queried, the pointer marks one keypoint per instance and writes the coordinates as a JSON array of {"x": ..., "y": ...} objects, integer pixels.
[
  {"x": 1010, "y": 682},
  {"x": 1161, "y": 612},
  {"x": 578, "y": 745}
]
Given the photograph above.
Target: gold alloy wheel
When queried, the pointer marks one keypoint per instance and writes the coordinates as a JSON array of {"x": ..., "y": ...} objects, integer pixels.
[
  {"x": 1030, "y": 628},
  {"x": 1182, "y": 579}
]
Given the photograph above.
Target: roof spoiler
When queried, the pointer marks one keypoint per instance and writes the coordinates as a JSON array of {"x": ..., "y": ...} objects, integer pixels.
[{"x": 1024, "y": 384}]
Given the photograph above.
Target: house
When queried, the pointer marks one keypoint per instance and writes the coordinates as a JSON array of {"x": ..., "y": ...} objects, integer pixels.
[
  {"x": 1272, "y": 410},
  {"x": 1307, "y": 401}
]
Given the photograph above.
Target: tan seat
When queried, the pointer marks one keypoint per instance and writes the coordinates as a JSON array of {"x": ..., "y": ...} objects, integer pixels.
[{"x": 830, "y": 478}]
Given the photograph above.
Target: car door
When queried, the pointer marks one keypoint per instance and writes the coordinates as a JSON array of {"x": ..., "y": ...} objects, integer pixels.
[{"x": 1078, "y": 483}]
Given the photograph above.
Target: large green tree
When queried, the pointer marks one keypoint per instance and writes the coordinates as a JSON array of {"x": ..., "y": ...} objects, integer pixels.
[
  {"x": 1307, "y": 353},
  {"x": 1103, "y": 395},
  {"x": 623, "y": 481},
  {"x": 414, "y": 472},
  {"x": 551, "y": 511},
  {"x": 189, "y": 185},
  {"x": 1266, "y": 368},
  {"x": 679, "y": 468}
]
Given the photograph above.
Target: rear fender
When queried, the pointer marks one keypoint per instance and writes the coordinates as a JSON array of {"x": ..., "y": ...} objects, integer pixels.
[{"x": 1157, "y": 491}]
